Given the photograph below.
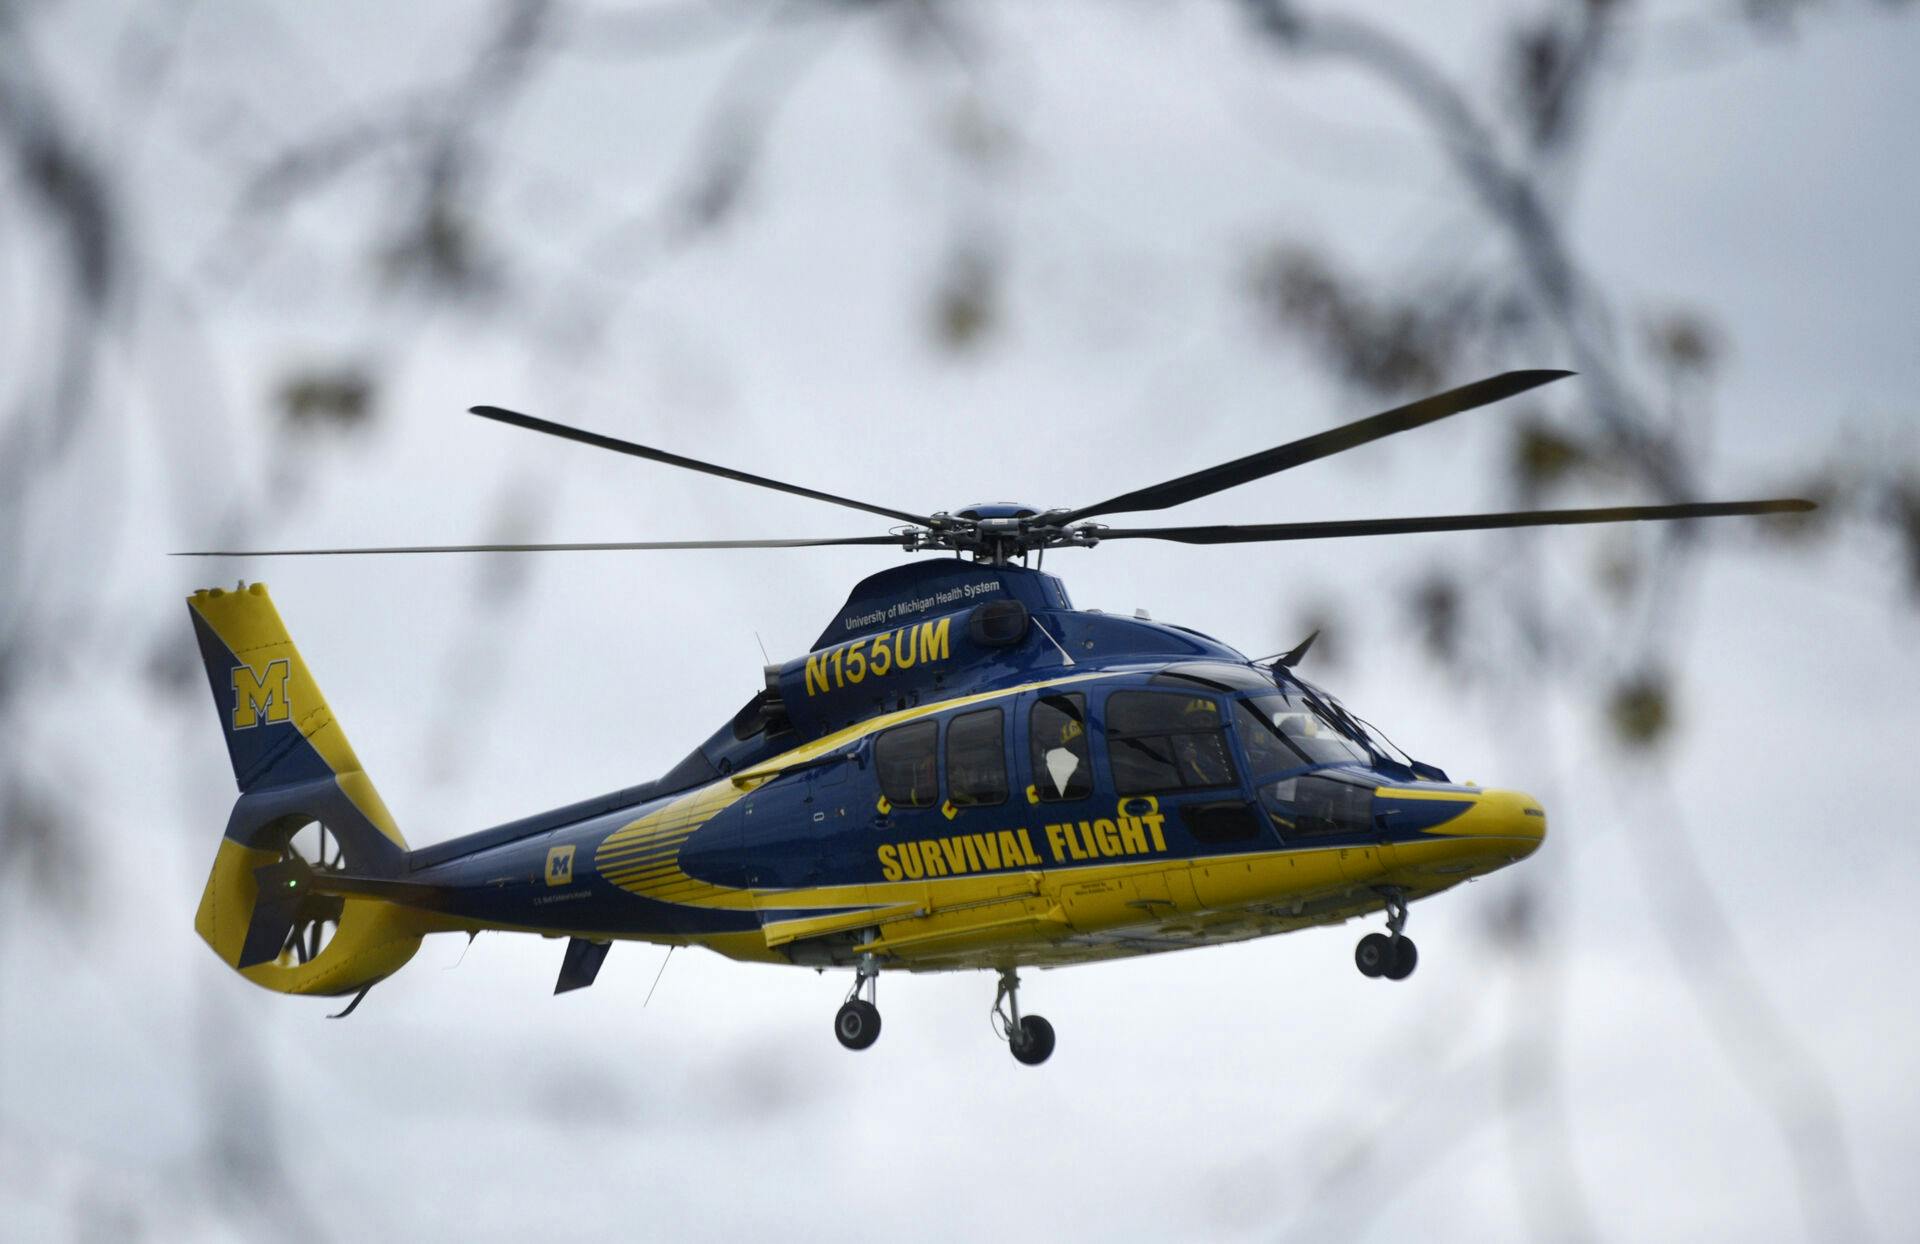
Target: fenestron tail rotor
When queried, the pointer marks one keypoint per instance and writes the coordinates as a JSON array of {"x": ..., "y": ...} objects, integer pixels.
[
  {"x": 316, "y": 918},
  {"x": 998, "y": 533}
]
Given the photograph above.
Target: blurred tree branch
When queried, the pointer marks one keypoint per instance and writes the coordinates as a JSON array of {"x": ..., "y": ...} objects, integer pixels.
[
  {"x": 1555, "y": 309},
  {"x": 434, "y": 148}
]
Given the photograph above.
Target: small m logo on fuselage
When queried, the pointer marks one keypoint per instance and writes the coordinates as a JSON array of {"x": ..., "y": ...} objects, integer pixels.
[
  {"x": 560, "y": 866},
  {"x": 262, "y": 696}
]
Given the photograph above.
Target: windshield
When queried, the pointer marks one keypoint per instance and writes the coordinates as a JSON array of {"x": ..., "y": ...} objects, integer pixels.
[{"x": 1284, "y": 730}]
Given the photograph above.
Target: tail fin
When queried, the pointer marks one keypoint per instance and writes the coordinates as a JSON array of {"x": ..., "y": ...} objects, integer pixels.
[{"x": 295, "y": 769}]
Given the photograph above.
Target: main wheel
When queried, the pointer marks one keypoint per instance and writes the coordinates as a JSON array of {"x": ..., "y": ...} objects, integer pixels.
[
  {"x": 1033, "y": 1043},
  {"x": 858, "y": 1024},
  {"x": 1405, "y": 957},
  {"x": 1374, "y": 955}
]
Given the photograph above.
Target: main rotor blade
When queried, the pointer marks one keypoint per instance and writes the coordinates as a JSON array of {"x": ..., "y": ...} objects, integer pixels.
[
  {"x": 534, "y": 424},
  {"x": 1253, "y": 534},
  {"x": 546, "y": 548},
  {"x": 1320, "y": 445}
]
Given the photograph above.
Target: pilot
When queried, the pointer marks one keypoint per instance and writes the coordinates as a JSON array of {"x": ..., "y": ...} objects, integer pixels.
[{"x": 1199, "y": 750}]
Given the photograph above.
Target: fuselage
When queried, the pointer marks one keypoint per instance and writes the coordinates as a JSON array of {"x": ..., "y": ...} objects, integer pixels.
[{"x": 967, "y": 772}]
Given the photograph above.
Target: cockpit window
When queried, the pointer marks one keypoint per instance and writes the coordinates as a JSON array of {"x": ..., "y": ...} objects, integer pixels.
[
  {"x": 1283, "y": 730},
  {"x": 1158, "y": 741},
  {"x": 1315, "y": 805}
]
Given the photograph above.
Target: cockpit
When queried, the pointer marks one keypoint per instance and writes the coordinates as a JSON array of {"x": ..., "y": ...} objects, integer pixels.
[
  {"x": 1284, "y": 730},
  {"x": 1284, "y": 722},
  {"x": 1290, "y": 734}
]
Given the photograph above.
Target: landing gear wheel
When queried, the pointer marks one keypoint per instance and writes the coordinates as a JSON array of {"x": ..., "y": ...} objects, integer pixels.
[
  {"x": 1033, "y": 1042},
  {"x": 1374, "y": 955},
  {"x": 858, "y": 1024},
  {"x": 1391, "y": 954},
  {"x": 1028, "y": 1036}
]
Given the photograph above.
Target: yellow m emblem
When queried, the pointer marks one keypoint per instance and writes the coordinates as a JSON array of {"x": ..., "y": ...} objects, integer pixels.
[
  {"x": 560, "y": 866},
  {"x": 262, "y": 696}
]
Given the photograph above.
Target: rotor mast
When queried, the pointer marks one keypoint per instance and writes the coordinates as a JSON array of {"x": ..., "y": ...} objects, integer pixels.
[{"x": 995, "y": 534}]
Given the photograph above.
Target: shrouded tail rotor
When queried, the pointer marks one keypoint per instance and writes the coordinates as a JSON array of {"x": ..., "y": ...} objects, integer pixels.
[{"x": 281, "y": 905}]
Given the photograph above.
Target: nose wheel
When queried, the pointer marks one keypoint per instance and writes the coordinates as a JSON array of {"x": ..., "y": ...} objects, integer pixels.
[
  {"x": 857, "y": 1023},
  {"x": 1391, "y": 954},
  {"x": 1029, "y": 1037}
]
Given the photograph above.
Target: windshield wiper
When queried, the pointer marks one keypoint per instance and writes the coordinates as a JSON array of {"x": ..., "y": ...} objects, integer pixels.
[
  {"x": 1342, "y": 721},
  {"x": 1377, "y": 732}
]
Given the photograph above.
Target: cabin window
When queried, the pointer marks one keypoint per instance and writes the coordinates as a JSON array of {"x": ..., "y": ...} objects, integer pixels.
[
  {"x": 1057, "y": 741},
  {"x": 977, "y": 758},
  {"x": 904, "y": 759},
  {"x": 1158, "y": 741}
]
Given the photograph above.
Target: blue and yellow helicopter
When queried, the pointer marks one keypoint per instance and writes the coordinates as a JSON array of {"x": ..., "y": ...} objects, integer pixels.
[{"x": 965, "y": 772}]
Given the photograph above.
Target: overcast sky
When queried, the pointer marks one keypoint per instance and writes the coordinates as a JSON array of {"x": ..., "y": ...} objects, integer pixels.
[{"x": 1246, "y": 1092}]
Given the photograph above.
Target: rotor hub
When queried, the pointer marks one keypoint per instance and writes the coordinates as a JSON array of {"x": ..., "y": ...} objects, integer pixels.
[{"x": 999, "y": 531}]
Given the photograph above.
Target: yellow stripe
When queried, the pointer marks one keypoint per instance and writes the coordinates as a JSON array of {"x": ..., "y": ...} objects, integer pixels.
[
  {"x": 629, "y": 879},
  {"x": 652, "y": 849},
  {"x": 642, "y": 857},
  {"x": 780, "y": 932},
  {"x": 1445, "y": 796}
]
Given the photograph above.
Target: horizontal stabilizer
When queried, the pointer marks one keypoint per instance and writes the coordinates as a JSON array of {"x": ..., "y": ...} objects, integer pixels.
[
  {"x": 291, "y": 891},
  {"x": 283, "y": 892},
  {"x": 581, "y": 964}
]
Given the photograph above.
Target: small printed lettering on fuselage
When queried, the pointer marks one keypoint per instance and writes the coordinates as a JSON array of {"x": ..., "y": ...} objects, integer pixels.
[
  {"x": 890, "y": 652},
  {"x": 961, "y": 854}
]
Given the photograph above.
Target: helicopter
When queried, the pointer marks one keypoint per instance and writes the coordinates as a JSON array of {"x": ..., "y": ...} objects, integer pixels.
[{"x": 964, "y": 772}]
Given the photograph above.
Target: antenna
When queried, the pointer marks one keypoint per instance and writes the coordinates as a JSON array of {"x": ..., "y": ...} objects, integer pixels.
[{"x": 656, "y": 977}]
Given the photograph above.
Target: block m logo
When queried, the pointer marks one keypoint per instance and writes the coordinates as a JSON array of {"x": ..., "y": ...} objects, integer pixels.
[
  {"x": 560, "y": 866},
  {"x": 262, "y": 696}
]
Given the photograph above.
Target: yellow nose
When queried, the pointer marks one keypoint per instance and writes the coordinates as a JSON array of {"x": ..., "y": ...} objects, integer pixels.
[
  {"x": 1508, "y": 818},
  {"x": 1521, "y": 813}
]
